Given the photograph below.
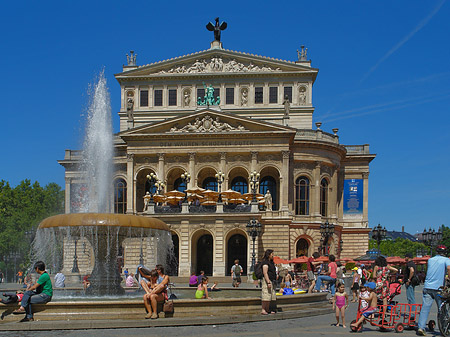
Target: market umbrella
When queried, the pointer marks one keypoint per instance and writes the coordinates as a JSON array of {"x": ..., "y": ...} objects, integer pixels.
[
  {"x": 322, "y": 259},
  {"x": 421, "y": 260},
  {"x": 395, "y": 260},
  {"x": 236, "y": 201},
  {"x": 159, "y": 198},
  {"x": 249, "y": 196},
  {"x": 300, "y": 259},
  {"x": 174, "y": 200},
  {"x": 208, "y": 203},
  {"x": 278, "y": 260},
  {"x": 174, "y": 193},
  {"x": 230, "y": 194},
  {"x": 195, "y": 196},
  {"x": 210, "y": 194},
  {"x": 196, "y": 189}
]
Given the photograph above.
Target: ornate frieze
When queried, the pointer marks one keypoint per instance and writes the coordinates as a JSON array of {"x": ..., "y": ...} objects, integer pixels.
[
  {"x": 217, "y": 64},
  {"x": 207, "y": 124}
]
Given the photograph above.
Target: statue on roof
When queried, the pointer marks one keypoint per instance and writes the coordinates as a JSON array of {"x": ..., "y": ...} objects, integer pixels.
[
  {"x": 216, "y": 28},
  {"x": 208, "y": 99},
  {"x": 302, "y": 55}
]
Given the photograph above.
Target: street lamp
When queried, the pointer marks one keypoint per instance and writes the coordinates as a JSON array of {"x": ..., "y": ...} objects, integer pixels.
[
  {"x": 75, "y": 259},
  {"x": 254, "y": 184},
  {"x": 379, "y": 234},
  {"x": 186, "y": 178},
  {"x": 152, "y": 177},
  {"x": 326, "y": 231},
  {"x": 220, "y": 177},
  {"x": 159, "y": 186},
  {"x": 253, "y": 230}
]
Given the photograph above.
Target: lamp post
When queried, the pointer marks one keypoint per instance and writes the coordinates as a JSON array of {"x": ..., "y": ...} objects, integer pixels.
[
  {"x": 379, "y": 234},
  {"x": 254, "y": 184},
  {"x": 220, "y": 177},
  {"x": 152, "y": 177},
  {"x": 159, "y": 186},
  {"x": 186, "y": 177},
  {"x": 431, "y": 238},
  {"x": 75, "y": 259},
  {"x": 326, "y": 231},
  {"x": 253, "y": 230}
]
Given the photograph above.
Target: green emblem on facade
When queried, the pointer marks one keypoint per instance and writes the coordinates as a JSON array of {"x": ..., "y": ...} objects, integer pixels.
[{"x": 208, "y": 99}]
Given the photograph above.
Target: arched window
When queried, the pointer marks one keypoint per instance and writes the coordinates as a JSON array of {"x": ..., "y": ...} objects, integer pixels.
[
  {"x": 120, "y": 196},
  {"x": 239, "y": 184},
  {"x": 324, "y": 197},
  {"x": 210, "y": 183},
  {"x": 269, "y": 183},
  {"x": 179, "y": 185},
  {"x": 302, "y": 196}
]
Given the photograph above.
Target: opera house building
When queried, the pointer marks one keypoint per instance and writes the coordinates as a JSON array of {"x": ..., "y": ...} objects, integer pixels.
[{"x": 223, "y": 147}]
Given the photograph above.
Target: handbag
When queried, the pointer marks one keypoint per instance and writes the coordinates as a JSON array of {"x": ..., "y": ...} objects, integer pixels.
[{"x": 168, "y": 307}]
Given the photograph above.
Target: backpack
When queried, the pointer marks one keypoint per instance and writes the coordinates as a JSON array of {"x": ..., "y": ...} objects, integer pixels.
[
  {"x": 363, "y": 277},
  {"x": 237, "y": 271},
  {"x": 258, "y": 271}
]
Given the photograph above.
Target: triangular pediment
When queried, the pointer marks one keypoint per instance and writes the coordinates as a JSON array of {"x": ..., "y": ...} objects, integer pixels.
[
  {"x": 207, "y": 122},
  {"x": 216, "y": 61}
]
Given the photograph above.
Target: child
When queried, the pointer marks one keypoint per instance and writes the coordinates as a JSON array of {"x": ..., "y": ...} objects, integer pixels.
[
  {"x": 12, "y": 297},
  {"x": 372, "y": 308},
  {"x": 202, "y": 289},
  {"x": 340, "y": 303},
  {"x": 364, "y": 296},
  {"x": 355, "y": 284}
]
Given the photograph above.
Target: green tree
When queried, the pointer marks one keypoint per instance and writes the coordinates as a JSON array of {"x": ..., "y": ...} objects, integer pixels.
[
  {"x": 398, "y": 247},
  {"x": 446, "y": 237},
  {"x": 21, "y": 210}
]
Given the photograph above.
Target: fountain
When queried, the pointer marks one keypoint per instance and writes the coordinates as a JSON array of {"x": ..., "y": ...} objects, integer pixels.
[{"x": 104, "y": 231}]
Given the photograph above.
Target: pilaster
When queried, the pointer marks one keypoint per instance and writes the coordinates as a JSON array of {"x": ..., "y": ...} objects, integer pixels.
[
  {"x": 192, "y": 170},
  {"x": 131, "y": 184},
  {"x": 316, "y": 190},
  {"x": 284, "y": 181}
]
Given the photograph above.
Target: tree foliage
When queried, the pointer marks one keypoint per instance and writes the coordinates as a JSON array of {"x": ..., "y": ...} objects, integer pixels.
[
  {"x": 22, "y": 208},
  {"x": 399, "y": 247},
  {"x": 446, "y": 237}
]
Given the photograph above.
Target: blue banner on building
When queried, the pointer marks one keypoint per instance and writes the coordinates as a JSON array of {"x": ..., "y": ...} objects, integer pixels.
[{"x": 353, "y": 197}]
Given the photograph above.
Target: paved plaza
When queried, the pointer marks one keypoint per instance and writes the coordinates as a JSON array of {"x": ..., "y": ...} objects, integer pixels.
[{"x": 308, "y": 326}]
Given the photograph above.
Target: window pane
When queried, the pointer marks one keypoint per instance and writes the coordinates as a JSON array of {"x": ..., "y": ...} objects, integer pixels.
[
  {"x": 273, "y": 95},
  {"x": 239, "y": 184},
  {"x": 230, "y": 96},
  {"x": 288, "y": 93},
  {"x": 302, "y": 196},
  {"x": 258, "y": 94},
  {"x": 200, "y": 93},
  {"x": 158, "y": 97},
  {"x": 173, "y": 97},
  {"x": 210, "y": 183},
  {"x": 144, "y": 98}
]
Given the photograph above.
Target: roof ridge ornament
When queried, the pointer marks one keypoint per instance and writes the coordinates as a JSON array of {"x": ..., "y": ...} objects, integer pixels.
[
  {"x": 303, "y": 54},
  {"x": 217, "y": 28},
  {"x": 131, "y": 59}
]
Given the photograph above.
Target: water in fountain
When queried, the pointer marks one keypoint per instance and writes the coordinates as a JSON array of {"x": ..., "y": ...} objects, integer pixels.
[
  {"x": 98, "y": 151},
  {"x": 93, "y": 226}
]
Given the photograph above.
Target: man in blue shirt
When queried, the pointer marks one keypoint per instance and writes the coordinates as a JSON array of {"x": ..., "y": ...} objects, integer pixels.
[{"x": 436, "y": 269}]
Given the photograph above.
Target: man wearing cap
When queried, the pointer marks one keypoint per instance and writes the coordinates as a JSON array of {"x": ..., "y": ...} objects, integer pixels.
[
  {"x": 408, "y": 275},
  {"x": 437, "y": 267}
]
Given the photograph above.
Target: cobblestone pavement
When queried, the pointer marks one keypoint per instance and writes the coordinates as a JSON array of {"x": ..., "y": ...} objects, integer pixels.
[{"x": 310, "y": 326}]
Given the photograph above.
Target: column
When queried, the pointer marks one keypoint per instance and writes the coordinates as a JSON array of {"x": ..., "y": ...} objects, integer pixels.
[
  {"x": 254, "y": 161},
  {"x": 223, "y": 168},
  {"x": 332, "y": 193},
  {"x": 191, "y": 169},
  {"x": 284, "y": 181},
  {"x": 316, "y": 191},
  {"x": 219, "y": 249},
  {"x": 131, "y": 184},
  {"x": 184, "y": 265},
  {"x": 67, "y": 195},
  {"x": 365, "y": 219},
  {"x": 161, "y": 162}
]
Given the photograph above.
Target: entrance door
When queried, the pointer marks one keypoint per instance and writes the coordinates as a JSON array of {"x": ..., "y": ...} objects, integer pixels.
[
  {"x": 302, "y": 247},
  {"x": 205, "y": 254},
  {"x": 237, "y": 249}
]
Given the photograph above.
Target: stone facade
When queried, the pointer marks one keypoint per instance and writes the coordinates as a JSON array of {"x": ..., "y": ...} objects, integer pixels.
[{"x": 262, "y": 123}]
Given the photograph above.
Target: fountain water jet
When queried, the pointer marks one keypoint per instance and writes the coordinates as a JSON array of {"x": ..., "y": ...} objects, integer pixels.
[{"x": 104, "y": 231}]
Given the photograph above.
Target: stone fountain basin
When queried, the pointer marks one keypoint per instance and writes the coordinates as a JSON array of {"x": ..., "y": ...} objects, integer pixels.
[{"x": 308, "y": 304}]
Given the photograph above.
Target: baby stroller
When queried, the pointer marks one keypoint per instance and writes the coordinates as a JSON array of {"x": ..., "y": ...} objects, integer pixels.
[{"x": 395, "y": 288}]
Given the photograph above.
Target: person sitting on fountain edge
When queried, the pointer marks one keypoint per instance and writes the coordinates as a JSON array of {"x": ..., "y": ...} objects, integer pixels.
[{"x": 40, "y": 292}]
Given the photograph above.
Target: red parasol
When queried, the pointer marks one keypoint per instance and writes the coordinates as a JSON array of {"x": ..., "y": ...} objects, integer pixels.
[
  {"x": 395, "y": 260},
  {"x": 322, "y": 259},
  {"x": 278, "y": 260},
  {"x": 421, "y": 260},
  {"x": 300, "y": 259}
]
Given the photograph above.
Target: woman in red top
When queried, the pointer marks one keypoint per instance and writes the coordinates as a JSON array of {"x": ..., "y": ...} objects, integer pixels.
[{"x": 330, "y": 277}]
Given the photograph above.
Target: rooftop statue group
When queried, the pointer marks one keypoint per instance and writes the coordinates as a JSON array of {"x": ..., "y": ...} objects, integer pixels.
[{"x": 208, "y": 99}]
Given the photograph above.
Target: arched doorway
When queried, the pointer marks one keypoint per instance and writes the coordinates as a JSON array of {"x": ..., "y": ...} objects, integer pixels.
[
  {"x": 237, "y": 249},
  {"x": 301, "y": 249},
  {"x": 205, "y": 254}
]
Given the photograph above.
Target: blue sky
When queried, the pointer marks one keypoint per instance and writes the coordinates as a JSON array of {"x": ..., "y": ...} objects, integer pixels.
[{"x": 384, "y": 80}]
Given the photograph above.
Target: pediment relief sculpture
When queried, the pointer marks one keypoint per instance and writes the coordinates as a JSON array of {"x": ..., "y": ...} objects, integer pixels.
[
  {"x": 208, "y": 124},
  {"x": 217, "y": 64}
]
